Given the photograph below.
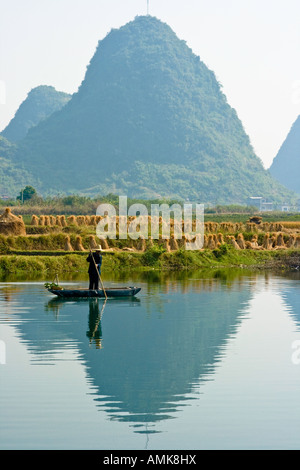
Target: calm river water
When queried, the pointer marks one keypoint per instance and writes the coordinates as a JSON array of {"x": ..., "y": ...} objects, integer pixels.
[{"x": 195, "y": 361}]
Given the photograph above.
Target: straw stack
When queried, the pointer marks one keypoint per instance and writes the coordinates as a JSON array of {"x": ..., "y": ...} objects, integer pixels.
[
  {"x": 78, "y": 244},
  {"x": 10, "y": 224}
]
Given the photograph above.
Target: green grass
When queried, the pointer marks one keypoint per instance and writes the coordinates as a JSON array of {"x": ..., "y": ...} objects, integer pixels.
[{"x": 224, "y": 257}]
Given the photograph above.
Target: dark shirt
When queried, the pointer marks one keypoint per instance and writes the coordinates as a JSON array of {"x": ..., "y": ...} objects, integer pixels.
[{"x": 98, "y": 261}]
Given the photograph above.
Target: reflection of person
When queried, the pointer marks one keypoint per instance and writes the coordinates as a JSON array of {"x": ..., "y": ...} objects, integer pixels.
[
  {"x": 94, "y": 332},
  {"x": 95, "y": 260}
]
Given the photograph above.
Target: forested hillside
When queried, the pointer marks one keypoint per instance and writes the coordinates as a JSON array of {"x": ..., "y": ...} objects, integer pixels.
[{"x": 149, "y": 120}]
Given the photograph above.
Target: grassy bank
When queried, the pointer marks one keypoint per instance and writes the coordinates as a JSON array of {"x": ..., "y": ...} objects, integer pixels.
[{"x": 226, "y": 256}]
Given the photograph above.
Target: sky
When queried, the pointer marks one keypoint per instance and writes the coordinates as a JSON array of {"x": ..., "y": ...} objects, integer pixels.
[{"x": 253, "y": 47}]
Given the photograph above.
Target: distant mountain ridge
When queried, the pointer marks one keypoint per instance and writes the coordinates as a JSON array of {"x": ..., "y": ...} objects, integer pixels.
[
  {"x": 286, "y": 165},
  {"x": 149, "y": 120},
  {"x": 39, "y": 104}
]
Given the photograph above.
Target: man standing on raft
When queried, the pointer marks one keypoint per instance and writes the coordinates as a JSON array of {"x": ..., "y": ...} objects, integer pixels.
[{"x": 95, "y": 260}]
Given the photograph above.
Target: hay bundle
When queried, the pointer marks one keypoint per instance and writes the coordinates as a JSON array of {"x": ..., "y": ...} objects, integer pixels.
[
  {"x": 291, "y": 241},
  {"x": 279, "y": 243},
  {"x": 240, "y": 241},
  {"x": 212, "y": 226},
  {"x": 58, "y": 221},
  {"x": 104, "y": 244},
  {"x": 80, "y": 220},
  {"x": 232, "y": 241},
  {"x": 141, "y": 244},
  {"x": 297, "y": 242},
  {"x": 63, "y": 221},
  {"x": 34, "y": 220},
  {"x": 265, "y": 227},
  {"x": 199, "y": 242},
  {"x": 10, "y": 224},
  {"x": 52, "y": 220},
  {"x": 78, "y": 244},
  {"x": 271, "y": 227},
  {"x": 254, "y": 242},
  {"x": 251, "y": 227},
  {"x": 72, "y": 220},
  {"x": 47, "y": 220},
  {"x": 267, "y": 242},
  {"x": 231, "y": 227},
  {"x": 92, "y": 242},
  {"x": 68, "y": 246},
  {"x": 220, "y": 238},
  {"x": 42, "y": 220},
  {"x": 239, "y": 227},
  {"x": 93, "y": 220},
  {"x": 173, "y": 244},
  {"x": 206, "y": 226},
  {"x": 211, "y": 242}
]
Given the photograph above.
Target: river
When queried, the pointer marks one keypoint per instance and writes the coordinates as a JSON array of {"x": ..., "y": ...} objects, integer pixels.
[{"x": 196, "y": 361}]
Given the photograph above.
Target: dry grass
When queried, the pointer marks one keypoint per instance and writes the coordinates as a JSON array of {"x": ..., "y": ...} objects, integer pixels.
[{"x": 291, "y": 225}]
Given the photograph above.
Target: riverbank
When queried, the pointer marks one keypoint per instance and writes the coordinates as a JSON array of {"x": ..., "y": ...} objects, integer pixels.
[{"x": 152, "y": 259}]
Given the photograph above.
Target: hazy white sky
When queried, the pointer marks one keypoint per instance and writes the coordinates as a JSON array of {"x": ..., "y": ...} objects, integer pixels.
[{"x": 253, "y": 46}]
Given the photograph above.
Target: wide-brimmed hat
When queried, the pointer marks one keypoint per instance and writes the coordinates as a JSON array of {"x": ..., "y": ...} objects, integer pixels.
[{"x": 98, "y": 248}]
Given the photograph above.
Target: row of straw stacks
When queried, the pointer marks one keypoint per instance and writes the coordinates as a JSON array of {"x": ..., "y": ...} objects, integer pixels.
[
  {"x": 78, "y": 245},
  {"x": 209, "y": 227},
  {"x": 63, "y": 221},
  {"x": 250, "y": 227},
  {"x": 141, "y": 244},
  {"x": 273, "y": 241}
]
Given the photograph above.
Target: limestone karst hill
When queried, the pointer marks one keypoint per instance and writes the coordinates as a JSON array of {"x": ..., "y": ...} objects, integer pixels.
[
  {"x": 286, "y": 165},
  {"x": 149, "y": 120},
  {"x": 39, "y": 104}
]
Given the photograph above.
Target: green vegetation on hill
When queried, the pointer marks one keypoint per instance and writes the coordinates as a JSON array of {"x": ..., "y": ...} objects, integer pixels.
[
  {"x": 12, "y": 175},
  {"x": 40, "y": 103},
  {"x": 150, "y": 121},
  {"x": 286, "y": 165}
]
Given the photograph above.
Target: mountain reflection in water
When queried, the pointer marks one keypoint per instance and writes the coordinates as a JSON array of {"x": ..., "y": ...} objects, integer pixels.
[{"x": 143, "y": 357}]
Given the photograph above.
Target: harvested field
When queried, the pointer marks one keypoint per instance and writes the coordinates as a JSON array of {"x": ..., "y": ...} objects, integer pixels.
[{"x": 58, "y": 233}]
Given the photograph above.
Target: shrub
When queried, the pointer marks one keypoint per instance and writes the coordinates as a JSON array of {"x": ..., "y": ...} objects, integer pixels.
[{"x": 221, "y": 251}]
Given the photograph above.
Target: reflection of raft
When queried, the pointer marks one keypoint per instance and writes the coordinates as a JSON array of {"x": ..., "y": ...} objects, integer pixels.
[{"x": 110, "y": 292}]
